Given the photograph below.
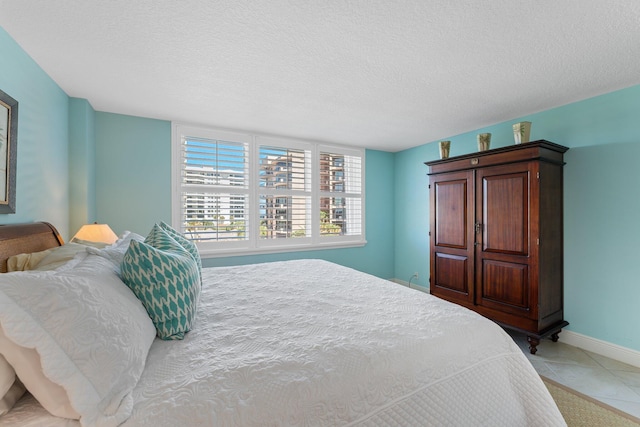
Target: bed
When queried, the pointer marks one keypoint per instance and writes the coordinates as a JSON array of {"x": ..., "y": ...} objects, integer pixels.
[{"x": 292, "y": 343}]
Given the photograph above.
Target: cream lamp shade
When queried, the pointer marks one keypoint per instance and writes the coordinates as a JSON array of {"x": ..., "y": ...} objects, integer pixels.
[{"x": 96, "y": 233}]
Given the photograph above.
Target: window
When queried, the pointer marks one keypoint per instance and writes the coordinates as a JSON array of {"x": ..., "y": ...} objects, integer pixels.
[
  {"x": 236, "y": 193},
  {"x": 340, "y": 194},
  {"x": 284, "y": 175}
]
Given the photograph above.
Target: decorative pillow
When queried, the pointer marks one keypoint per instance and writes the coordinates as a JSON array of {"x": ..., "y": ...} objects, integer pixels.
[
  {"x": 184, "y": 242},
  {"x": 166, "y": 280},
  {"x": 93, "y": 346},
  {"x": 11, "y": 389}
]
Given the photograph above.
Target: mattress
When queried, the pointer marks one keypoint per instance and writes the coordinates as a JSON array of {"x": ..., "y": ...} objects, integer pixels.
[{"x": 312, "y": 343}]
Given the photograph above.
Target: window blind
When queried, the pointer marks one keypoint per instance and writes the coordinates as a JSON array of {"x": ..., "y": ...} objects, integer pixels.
[
  {"x": 215, "y": 183},
  {"x": 285, "y": 184},
  {"x": 340, "y": 194}
]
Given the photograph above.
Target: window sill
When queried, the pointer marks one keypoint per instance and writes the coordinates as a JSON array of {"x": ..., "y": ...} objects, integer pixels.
[{"x": 231, "y": 252}]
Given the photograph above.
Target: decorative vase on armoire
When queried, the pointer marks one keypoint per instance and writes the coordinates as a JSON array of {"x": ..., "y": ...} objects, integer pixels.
[{"x": 521, "y": 132}]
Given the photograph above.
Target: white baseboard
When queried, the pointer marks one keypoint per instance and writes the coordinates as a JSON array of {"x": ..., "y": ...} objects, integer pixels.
[{"x": 604, "y": 348}]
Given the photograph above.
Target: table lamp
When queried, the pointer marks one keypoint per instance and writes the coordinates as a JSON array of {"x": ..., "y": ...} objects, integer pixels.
[{"x": 96, "y": 233}]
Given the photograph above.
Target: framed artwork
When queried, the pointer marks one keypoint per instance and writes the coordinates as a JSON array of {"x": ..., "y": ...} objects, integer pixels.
[{"x": 8, "y": 143}]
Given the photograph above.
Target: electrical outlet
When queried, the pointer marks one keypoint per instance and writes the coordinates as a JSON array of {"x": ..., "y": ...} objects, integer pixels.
[{"x": 415, "y": 275}]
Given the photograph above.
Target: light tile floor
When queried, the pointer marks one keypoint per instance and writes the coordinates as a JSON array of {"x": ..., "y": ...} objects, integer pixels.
[{"x": 614, "y": 383}]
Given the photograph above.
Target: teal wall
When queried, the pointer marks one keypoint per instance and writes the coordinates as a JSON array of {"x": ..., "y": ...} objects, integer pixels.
[
  {"x": 42, "y": 173},
  {"x": 82, "y": 164},
  {"x": 133, "y": 172},
  {"x": 602, "y": 258}
]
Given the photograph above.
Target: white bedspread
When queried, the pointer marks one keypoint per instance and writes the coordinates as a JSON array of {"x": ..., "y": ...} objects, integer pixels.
[{"x": 310, "y": 343}]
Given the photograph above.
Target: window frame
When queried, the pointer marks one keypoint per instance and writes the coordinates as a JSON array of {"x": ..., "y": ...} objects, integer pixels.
[{"x": 254, "y": 244}]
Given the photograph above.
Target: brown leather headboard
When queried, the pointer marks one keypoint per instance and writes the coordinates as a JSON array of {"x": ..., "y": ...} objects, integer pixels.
[{"x": 26, "y": 238}]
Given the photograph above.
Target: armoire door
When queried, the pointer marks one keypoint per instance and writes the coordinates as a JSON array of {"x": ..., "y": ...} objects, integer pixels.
[
  {"x": 452, "y": 236},
  {"x": 506, "y": 256}
]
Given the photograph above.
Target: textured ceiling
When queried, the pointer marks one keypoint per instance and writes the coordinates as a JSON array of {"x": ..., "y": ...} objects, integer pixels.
[{"x": 382, "y": 74}]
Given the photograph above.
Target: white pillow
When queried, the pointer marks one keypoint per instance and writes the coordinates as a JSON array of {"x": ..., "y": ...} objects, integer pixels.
[
  {"x": 49, "y": 259},
  {"x": 98, "y": 245},
  {"x": 11, "y": 389},
  {"x": 24, "y": 262},
  {"x": 92, "y": 335},
  {"x": 7, "y": 376},
  {"x": 115, "y": 252},
  {"x": 14, "y": 393},
  {"x": 50, "y": 395}
]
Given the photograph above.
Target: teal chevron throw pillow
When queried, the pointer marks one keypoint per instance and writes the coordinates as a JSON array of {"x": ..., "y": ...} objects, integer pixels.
[
  {"x": 184, "y": 242},
  {"x": 167, "y": 282}
]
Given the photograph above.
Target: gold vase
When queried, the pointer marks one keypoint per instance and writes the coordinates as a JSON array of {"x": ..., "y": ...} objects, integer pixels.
[
  {"x": 484, "y": 141},
  {"x": 521, "y": 132},
  {"x": 444, "y": 149}
]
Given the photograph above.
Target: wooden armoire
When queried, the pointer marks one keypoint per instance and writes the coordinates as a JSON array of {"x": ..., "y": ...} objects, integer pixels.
[{"x": 496, "y": 235}]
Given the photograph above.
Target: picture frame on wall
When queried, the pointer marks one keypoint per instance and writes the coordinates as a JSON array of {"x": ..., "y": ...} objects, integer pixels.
[{"x": 8, "y": 150}]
